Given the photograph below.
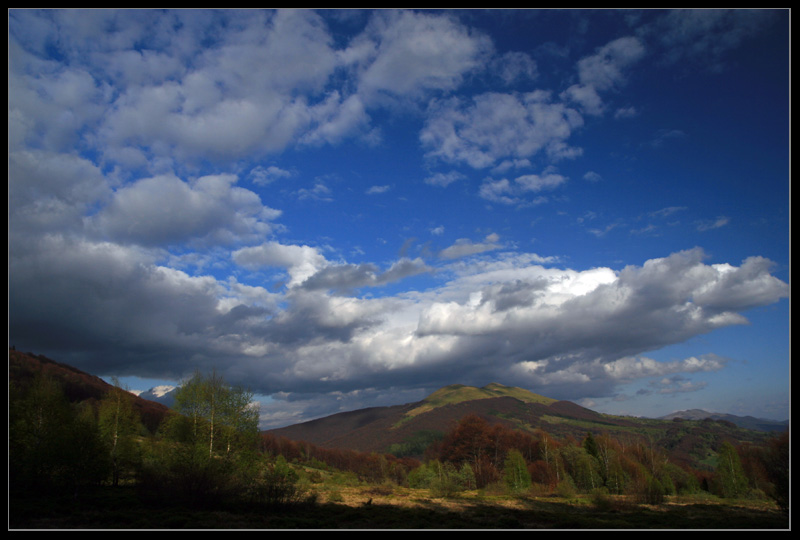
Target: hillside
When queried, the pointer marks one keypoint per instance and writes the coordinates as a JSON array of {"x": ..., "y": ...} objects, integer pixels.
[
  {"x": 406, "y": 430},
  {"x": 77, "y": 385},
  {"x": 377, "y": 429}
]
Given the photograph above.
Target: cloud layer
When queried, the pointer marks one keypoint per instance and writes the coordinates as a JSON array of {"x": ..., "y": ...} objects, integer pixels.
[{"x": 141, "y": 242}]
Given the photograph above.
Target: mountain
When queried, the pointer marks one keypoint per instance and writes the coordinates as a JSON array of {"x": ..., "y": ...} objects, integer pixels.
[
  {"x": 163, "y": 394},
  {"x": 78, "y": 386},
  {"x": 407, "y": 430},
  {"x": 378, "y": 428},
  {"x": 747, "y": 422}
]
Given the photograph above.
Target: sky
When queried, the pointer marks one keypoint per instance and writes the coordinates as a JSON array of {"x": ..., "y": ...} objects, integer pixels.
[{"x": 344, "y": 209}]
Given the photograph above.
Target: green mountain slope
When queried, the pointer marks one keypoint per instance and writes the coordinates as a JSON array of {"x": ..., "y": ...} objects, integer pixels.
[{"x": 458, "y": 393}]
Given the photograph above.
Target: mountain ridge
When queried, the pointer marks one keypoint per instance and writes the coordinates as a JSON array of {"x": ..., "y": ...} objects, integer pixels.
[{"x": 749, "y": 422}]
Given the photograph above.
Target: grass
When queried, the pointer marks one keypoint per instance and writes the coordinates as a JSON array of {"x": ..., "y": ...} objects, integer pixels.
[{"x": 392, "y": 507}]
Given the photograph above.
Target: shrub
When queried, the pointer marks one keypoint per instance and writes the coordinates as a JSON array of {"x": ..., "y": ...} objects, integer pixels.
[
  {"x": 566, "y": 488},
  {"x": 650, "y": 490}
]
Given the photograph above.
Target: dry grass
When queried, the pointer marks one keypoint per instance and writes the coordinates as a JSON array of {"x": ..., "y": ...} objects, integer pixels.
[{"x": 391, "y": 507}]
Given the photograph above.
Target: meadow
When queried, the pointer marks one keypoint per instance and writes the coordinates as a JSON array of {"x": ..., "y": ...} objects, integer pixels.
[{"x": 335, "y": 506}]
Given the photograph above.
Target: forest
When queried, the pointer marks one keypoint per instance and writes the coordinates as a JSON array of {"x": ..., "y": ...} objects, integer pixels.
[{"x": 93, "y": 464}]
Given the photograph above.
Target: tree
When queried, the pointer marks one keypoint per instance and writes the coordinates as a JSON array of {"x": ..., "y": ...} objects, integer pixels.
[
  {"x": 729, "y": 479},
  {"x": 119, "y": 425},
  {"x": 471, "y": 441},
  {"x": 53, "y": 444},
  {"x": 590, "y": 445},
  {"x": 583, "y": 468},
  {"x": 776, "y": 462},
  {"x": 515, "y": 471},
  {"x": 189, "y": 402},
  {"x": 239, "y": 416},
  {"x": 218, "y": 411}
]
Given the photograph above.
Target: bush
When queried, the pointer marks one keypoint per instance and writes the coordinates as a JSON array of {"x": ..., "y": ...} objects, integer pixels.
[
  {"x": 601, "y": 499},
  {"x": 566, "y": 488},
  {"x": 187, "y": 475},
  {"x": 650, "y": 490}
]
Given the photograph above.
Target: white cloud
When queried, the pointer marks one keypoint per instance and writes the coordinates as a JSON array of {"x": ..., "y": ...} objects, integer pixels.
[
  {"x": 405, "y": 53},
  {"x": 444, "y": 179},
  {"x": 266, "y": 175},
  {"x": 720, "y": 222},
  {"x": 604, "y": 71},
  {"x": 301, "y": 262},
  {"x": 504, "y": 191},
  {"x": 376, "y": 190},
  {"x": 493, "y": 127},
  {"x": 164, "y": 210},
  {"x": 465, "y": 247}
]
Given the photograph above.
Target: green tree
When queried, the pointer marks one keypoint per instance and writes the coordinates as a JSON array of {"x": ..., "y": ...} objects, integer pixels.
[
  {"x": 218, "y": 412},
  {"x": 190, "y": 402},
  {"x": 590, "y": 445},
  {"x": 53, "y": 444},
  {"x": 515, "y": 471},
  {"x": 583, "y": 468},
  {"x": 119, "y": 426},
  {"x": 729, "y": 478}
]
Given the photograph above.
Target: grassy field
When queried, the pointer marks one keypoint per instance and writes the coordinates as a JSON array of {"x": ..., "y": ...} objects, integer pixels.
[{"x": 391, "y": 507}]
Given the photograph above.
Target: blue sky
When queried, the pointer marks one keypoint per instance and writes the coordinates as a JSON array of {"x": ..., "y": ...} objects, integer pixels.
[{"x": 347, "y": 208}]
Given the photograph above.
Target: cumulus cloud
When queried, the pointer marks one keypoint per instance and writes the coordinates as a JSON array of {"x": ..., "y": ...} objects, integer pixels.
[
  {"x": 494, "y": 127},
  {"x": 165, "y": 210},
  {"x": 405, "y": 54}
]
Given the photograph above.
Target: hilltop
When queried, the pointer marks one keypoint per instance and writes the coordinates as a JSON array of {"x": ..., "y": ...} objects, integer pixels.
[{"x": 407, "y": 430}]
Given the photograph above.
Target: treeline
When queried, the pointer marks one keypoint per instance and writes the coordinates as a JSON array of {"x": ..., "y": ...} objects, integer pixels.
[
  {"x": 477, "y": 454},
  {"x": 366, "y": 467}
]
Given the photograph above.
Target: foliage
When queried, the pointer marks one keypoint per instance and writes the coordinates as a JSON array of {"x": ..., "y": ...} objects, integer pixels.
[
  {"x": 648, "y": 489},
  {"x": 515, "y": 472},
  {"x": 53, "y": 444},
  {"x": 442, "y": 479},
  {"x": 120, "y": 426},
  {"x": 776, "y": 462},
  {"x": 416, "y": 445},
  {"x": 276, "y": 484},
  {"x": 729, "y": 480},
  {"x": 219, "y": 414}
]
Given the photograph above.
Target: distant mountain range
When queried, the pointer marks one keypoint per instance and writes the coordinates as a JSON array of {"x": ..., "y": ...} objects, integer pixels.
[{"x": 747, "y": 422}]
